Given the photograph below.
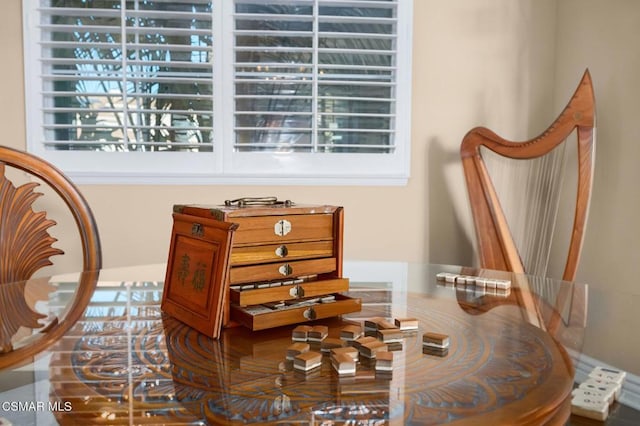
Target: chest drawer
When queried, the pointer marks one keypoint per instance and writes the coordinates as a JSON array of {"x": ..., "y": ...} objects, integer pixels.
[
  {"x": 281, "y": 291},
  {"x": 285, "y": 228},
  {"x": 260, "y": 317},
  {"x": 281, "y": 270},
  {"x": 255, "y": 254}
]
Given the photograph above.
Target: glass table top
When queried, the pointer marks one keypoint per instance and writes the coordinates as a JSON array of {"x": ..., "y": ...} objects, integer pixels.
[{"x": 122, "y": 351}]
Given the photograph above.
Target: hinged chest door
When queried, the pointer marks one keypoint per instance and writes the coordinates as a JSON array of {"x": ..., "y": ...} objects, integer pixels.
[{"x": 195, "y": 286}]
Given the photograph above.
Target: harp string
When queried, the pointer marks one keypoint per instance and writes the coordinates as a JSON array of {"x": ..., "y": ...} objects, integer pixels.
[{"x": 530, "y": 192}]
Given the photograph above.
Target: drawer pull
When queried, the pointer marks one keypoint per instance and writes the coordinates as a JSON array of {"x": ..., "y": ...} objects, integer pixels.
[
  {"x": 282, "y": 251},
  {"x": 309, "y": 314},
  {"x": 296, "y": 292},
  {"x": 285, "y": 269},
  {"x": 282, "y": 227}
]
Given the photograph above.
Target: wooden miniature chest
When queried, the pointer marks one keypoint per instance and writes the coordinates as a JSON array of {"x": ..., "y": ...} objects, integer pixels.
[{"x": 284, "y": 264}]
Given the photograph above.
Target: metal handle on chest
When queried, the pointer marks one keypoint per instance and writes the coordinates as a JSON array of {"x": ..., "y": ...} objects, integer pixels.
[{"x": 257, "y": 201}]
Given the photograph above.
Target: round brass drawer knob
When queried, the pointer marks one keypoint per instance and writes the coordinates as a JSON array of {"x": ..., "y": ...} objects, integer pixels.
[
  {"x": 296, "y": 291},
  {"x": 285, "y": 269},
  {"x": 282, "y": 251},
  {"x": 309, "y": 314}
]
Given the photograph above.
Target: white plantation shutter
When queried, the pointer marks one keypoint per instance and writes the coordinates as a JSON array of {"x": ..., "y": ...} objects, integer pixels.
[
  {"x": 129, "y": 78},
  {"x": 229, "y": 91}
]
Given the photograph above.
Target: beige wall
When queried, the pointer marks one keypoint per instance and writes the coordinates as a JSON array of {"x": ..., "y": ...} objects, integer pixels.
[
  {"x": 499, "y": 63},
  {"x": 604, "y": 36}
]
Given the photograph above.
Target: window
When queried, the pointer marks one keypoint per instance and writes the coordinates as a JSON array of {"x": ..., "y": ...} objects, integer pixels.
[{"x": 197, "y": 91}]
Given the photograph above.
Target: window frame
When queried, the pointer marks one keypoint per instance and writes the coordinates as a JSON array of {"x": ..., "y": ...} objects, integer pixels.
[{"x": 223, "y": 165}]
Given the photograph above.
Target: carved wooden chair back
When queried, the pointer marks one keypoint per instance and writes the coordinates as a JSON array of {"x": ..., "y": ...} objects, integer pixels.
[
  {"x": 497, "y": 248},
  {"x": 26, "y": 246}
]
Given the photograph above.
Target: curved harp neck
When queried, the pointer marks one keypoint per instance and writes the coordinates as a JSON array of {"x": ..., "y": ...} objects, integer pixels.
[{"x": 579, "y": 113}]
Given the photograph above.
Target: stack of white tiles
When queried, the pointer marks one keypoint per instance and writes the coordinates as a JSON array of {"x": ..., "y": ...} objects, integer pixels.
[
  {"x": 593, "y": 397},
  {"x": 479, "y": 282}
]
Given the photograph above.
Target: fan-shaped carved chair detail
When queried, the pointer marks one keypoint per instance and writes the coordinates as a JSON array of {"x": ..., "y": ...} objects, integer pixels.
[{"x": 26, "y": 246}]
